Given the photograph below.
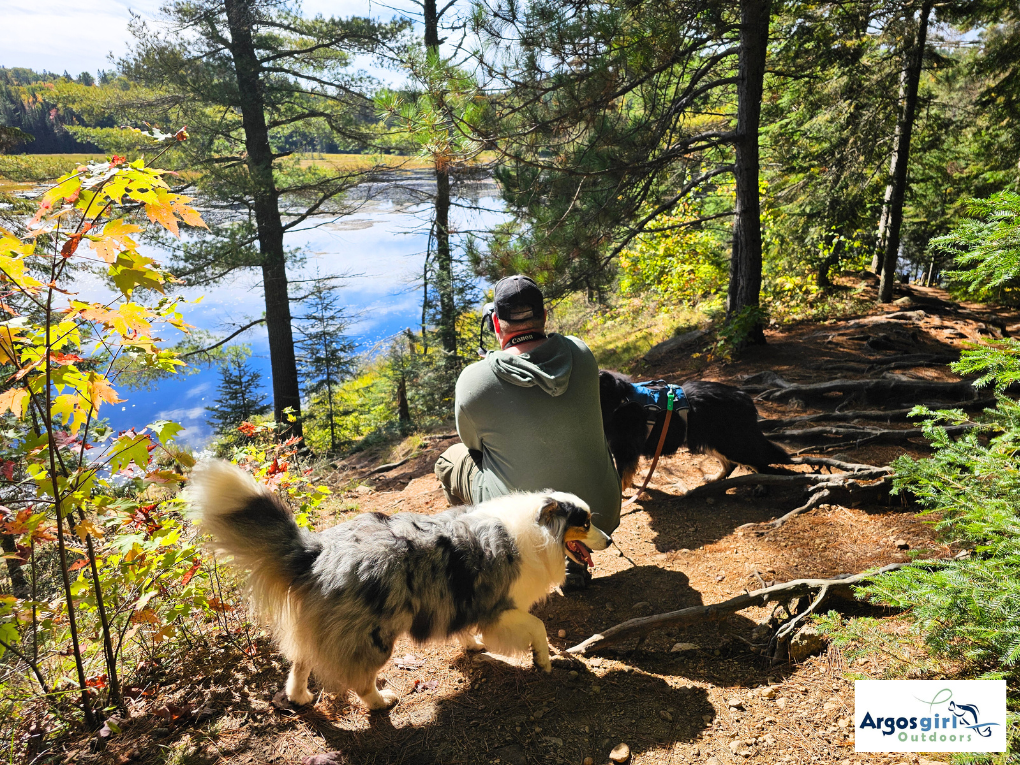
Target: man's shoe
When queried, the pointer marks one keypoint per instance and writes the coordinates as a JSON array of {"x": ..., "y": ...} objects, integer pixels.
[{"x": 578, "y": 577}]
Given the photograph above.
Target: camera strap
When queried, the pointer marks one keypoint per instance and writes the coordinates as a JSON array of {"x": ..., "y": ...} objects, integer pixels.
[{"x": 527, "y": 337}]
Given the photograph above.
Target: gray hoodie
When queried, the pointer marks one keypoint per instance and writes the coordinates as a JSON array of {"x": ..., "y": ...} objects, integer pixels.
[{"x": 536, "y": 420}]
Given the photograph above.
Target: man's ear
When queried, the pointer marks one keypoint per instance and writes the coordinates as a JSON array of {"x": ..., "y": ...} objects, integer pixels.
[{"x": 550, "y": 509}]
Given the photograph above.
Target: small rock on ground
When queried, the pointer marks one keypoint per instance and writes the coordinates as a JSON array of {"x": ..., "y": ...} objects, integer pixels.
[
  {"x": 683, "y": 647},
  {"x": 807, "y": 642},
  {"x": 620, "y": 753}
]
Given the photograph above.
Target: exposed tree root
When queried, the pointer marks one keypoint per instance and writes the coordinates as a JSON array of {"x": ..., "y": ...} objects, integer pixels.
[
  {"x": 892, "y": 388},
  {"x": 814, "y": 480},
  {"x": 859, "y": 434},
  {"x": 845, "y": 488},
  {"x": 777, "y": 593},
  {"x": 849, "y": 467},
  {"x": 878, "y": 415},
  {"x": 388, "y": 466}
]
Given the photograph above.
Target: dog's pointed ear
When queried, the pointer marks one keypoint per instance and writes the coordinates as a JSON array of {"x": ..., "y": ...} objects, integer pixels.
[{"x": 550, "y": 509}]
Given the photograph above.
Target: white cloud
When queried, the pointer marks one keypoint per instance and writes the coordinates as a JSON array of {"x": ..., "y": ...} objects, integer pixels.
[{"x": 79, "y": 35}]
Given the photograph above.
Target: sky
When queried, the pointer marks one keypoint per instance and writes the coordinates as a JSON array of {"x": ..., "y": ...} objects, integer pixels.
[{"x": 79, "y": 35}]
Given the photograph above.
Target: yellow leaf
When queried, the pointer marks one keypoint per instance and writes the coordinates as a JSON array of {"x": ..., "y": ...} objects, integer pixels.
[
  {"x": 13, "y": 269},
  {"x": 63, "y": 407},
  {"x": 85, "y": 527},
  {"x": 162, "y": 212},
  {"x": 189, "y": 215},
  {"x": 14, "y": 400},
  {"x": 101, "y": 390},
  {"x": 115, "y": 237},
  {"x": 8, "y": 337},
  {"x": 66, "y": 186}
]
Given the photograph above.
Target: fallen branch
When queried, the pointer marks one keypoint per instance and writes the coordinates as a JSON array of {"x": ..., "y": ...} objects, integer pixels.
[
  {"x": 787, "y": 629},
  {"x": 696, "y": 614},
  {"x": 886, "y": 389},
  {"x": 754, "y": 479},
  {"x": 816, "y": 499}
]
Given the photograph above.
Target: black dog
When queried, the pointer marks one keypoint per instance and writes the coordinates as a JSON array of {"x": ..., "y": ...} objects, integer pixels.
[{"x": 722, "y": 422}]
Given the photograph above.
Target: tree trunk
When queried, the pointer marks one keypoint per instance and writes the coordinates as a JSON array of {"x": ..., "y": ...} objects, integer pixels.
[
  {"x": 286, "y": 389},
  {"x": 883, "y": 221},
  {"x": 914, "y": 61},
  {"x": 444, "y": 259},
  {"x": 403, "y": 408},
  {"x": 745, "y": 260},
  {"x": 15, "y": 568},
  {"x": 444, "y": 266},
  {"x": 822, "y": 275}
]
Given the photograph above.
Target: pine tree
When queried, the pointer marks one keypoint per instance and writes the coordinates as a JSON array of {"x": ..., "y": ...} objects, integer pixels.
[
  {"x": 240, "y": 392},
  {"x": 325, "y": 355},
  {"x": 243, "y": 75},
  {"x": 968, "y": 606}
]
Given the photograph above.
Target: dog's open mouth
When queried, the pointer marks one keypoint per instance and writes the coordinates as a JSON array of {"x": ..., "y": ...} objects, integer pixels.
[{"x": 579, "y": 552}]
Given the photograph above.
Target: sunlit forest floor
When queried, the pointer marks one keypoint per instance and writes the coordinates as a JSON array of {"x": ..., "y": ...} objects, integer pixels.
[{"x": 713, "y": 699}]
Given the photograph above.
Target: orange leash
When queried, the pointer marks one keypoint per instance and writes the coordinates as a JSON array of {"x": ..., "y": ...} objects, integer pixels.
[{"x": 658, "y": 451}]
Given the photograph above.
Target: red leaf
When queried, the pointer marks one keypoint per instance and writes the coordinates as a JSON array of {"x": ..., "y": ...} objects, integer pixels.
[
  {"x": 66, "y": 358},
  {"x": 8, "y": 470},
  {"x": 191, "y": 572},
  {"x": 79, "y": 564},
  {"x": 99, "y": 681},
  {"x": 277, "y": 467},
  {"x": 70, "y": 245}
]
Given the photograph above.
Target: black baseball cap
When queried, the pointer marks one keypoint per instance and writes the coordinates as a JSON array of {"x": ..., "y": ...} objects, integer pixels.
[{"x": 518, "y": 298}]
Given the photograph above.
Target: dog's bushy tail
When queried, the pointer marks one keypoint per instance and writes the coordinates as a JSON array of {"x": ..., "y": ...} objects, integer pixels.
[{"x": 253, "y": 525}]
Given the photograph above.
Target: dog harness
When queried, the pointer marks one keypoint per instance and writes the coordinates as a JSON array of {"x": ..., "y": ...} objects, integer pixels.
[
  {"x": 653, "y": 397},
  {"x": 650, "y": 395}
]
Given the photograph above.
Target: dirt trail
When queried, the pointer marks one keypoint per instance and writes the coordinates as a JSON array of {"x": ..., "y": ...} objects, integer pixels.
[{"x": 714, "y": 699}]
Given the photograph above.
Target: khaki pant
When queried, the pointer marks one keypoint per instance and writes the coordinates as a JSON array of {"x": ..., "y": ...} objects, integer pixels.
[{"x": 456, "y": 469}]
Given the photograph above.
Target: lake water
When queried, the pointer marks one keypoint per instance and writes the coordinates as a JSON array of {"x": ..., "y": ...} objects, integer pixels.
[{"x": 382, "y": 246}]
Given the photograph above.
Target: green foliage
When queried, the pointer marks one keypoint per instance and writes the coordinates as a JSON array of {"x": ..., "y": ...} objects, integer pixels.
[
  {"x": 326, "y": 357},
  {"x": 970, "y": 487},
  {"x": 119, "y": 564},
  {"x": 32, "y": 103},
  {"x": 621, "y": 330},
  {"x": 365, "y": 410},
  {"x": 867, "y": 642},
  {"x": 240, "y": 394},
  {"x": 682, "y": 260},
  {"x": 986, "y": 247}
]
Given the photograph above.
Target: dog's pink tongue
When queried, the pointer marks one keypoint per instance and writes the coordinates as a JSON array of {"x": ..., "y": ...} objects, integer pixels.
[{"x": 581, "y": 552}]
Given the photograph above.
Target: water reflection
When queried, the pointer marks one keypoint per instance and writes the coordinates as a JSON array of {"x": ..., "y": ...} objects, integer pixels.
[{"x": 381, "y": 247}]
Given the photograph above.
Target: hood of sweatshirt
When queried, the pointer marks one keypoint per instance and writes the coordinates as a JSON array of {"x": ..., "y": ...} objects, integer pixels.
[{"x": 548, "y": 366}]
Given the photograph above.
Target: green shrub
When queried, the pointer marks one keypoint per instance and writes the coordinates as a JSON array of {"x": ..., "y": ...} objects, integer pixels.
[{"x": 968, "y": 608}]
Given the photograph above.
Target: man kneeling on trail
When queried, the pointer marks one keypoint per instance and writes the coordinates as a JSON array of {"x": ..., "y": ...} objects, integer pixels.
[{"x": 529, "y": 419}]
